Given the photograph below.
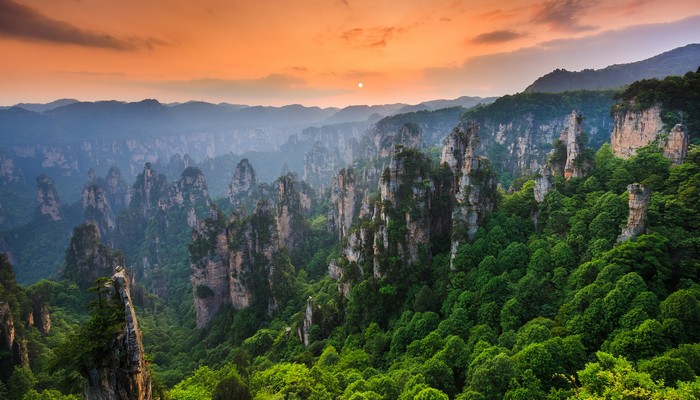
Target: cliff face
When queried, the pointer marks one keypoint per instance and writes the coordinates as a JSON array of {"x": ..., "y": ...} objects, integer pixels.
[
  {"x": 87, "y": 258},
  {"x": 243, "y": 184},
  {"x": 290, "y": 209},
  {"x": 676, "y": 146},
  {"x": 97, "y": 210},
  {"x": 117, "y": 191},
  {"x": 638, "y": 203},
  {"x": 209, "y": 266},
  {"x": 474, "y": 185},
  {"x": 346, "y": 196},
  {"x": 638, "y": 128},
  {"x": 320, "y": 164},
  {"x": 189, "y": 192},
  {"x": 574, "y": 168},
  {"x": 124, "y": 374},
  {"x": 47, "y": 198},
  {"x": 147, "y": 189},
  {"x": 635, "y": 129}
]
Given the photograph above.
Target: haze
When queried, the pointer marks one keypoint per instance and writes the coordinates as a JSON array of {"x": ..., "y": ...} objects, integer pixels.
[{"x": 317, "y": 52}]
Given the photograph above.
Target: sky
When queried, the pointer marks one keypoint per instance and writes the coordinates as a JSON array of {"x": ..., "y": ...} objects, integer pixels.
[{"x": 317, "y": 52}]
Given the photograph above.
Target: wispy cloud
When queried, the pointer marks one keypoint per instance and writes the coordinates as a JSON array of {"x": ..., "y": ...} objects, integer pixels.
[
  {"x": 271, "y": 88},
  {"x": 368, "y": 37},
  {"x": 563, "y": 15},
  {"x": 23, "y": 22},
  {"x": 496, "y": 37}
]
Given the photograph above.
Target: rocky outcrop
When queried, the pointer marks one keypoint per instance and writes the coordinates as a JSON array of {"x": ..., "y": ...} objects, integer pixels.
[
  {"x": 97, "y": 209},
  {"x": 290, "y": 210},
  {"x": 543, "y": 183},
  {"x": 320, "y": 164},
  {"x": 148, "y": 188},
  {"x": 209, "y": 266},
  {"x": 639, "y": 128},
  {"x": 40, "y": 315},
  {"x": 638, "y": 203},
  {"x": 236, "y": 261},
  {"x": 243, "y": 184},
  {"x": 8, "y": 172},
  {"x": 123, "y": 374},
  {"x": 190, "y": 192},
  {"x": 474, "y": 185},
  {"x": 346, "y": 197},
  {"x": 634, "y": 129},
  {"x": 306, "y": 323},
  {"x": 117, "y": 191},
  {"x": 676, "y": 145},
  {"x": 87, "y": 258},
  {"x": 379, "y": 142},
  {"x": 574, "y": 167},
  {"x": 47, "y": 198}
]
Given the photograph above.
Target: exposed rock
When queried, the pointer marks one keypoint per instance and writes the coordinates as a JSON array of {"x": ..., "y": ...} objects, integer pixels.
[
  {"x": 47, "y": 197},
  {"x": 676, "y": 146},
  {"x": 209, "y": 266},
  {"x": 320, "y": 164},
  {"x": 243, "y": 184},
  {"x": 97, "y": 210},
  {"x": 189, "y": 192},
  {"x": 380, "y": 141},
  {"x": 404, "y": 211},
  {"x": 148, "y": 188},
  {"x": 543, "y": 183},
  {"x": 305, "y": 327},
  {"x": 290, "y": 222},
  {"x": 87, "y": 258},
  {"x": 474, "y": 186},
  {"x": 574, "y": 167},
  {"x": 41, "y": 318},
  {"x": 117, "y": 191},
  {"x": 123, "y": 375},
  {"x": 635, "y": 129},
  {"x": 345, "y": 196},
  {"x": 638, "y": 204},
  {"x": 8, "y": 172}
]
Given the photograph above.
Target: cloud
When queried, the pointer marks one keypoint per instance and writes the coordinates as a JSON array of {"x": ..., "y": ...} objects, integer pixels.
[
  {"x": 496, "y": 37},
  {"x": 562, "y": 15},
  {"x": 273, "y": 88},
  {"x": 368, "y": 37},
  {"x": 22, "y": 22},
  {"x": 511, "y": 72}
]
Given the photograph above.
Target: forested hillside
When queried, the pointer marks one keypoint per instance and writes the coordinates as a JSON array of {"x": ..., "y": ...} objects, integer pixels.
[{"x": 408, "y": 277}]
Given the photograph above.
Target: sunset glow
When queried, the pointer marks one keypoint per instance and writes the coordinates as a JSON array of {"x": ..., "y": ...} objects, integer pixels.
[{"x": 312, "y": 52}]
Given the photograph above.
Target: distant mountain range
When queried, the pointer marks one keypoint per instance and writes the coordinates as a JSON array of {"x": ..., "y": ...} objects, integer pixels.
[
  {"x": 69, "y": 119},
  {"x": 678, "y": 61}
]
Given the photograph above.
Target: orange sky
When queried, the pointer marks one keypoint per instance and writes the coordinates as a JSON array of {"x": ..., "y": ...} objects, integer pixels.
[{"x": 315, "y": 52}]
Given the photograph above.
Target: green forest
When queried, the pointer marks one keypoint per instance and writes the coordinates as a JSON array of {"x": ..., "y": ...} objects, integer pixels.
[{"x": 544, "y": 303}]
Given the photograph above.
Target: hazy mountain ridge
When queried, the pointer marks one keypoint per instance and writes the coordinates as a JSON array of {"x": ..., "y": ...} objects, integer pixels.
[{"x": 674, "y": 62}]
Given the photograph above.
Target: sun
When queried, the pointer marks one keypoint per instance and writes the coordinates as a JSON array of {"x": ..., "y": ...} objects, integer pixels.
[{"x": 360, "y": 85}]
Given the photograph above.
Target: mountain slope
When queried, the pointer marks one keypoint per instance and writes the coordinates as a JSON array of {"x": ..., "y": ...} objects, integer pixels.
[{"x": 675, "y": 62}]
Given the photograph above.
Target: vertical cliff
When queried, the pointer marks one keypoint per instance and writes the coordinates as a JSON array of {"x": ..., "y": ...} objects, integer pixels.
[
  {"x": 148, "y": 188},
  {"x": 47, "y": 197},
  {"x": 13, "y": 344},
  {"x": 346, "y": 198},
  {"x": 120, "y": 373},
  {"x": 634, "y": 129},
  {"x": 243, "y": 184},
  {"x": 189, "y": 193},
  {"x": 403, "y": 213},
  {"x": 87, "y": 258},
  {"x": 97, "y": 209},
  {"x": 209, "y": 266},
  {"x": 676, "y": 144},
  {"x": 638, "y": 204},
  {"x": 116, "y": 189},
  {"x": 574, "y": 166},
  {"x": 290, "y": 211},
  {"x": 474, "y": 185},
  {"x": 320, "y": 164}
]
